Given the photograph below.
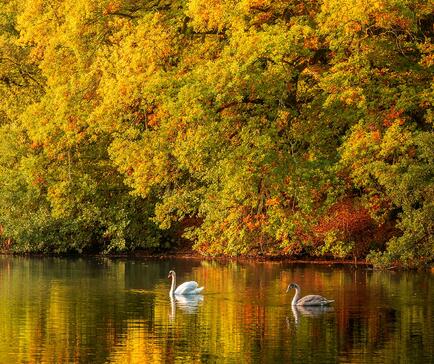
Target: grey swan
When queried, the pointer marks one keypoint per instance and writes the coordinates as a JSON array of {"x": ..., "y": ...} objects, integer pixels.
[{"x": 309, "y": 300}]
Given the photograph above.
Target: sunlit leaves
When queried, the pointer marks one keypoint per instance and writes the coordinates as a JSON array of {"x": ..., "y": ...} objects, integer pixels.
[{"x": 241, "y": 123}]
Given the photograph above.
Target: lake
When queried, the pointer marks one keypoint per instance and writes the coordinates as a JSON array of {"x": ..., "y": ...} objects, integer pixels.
[{"x": 100, "y": 310}]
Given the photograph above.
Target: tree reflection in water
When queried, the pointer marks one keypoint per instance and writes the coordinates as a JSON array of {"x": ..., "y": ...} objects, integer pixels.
[{"x": 118, "y": 311}]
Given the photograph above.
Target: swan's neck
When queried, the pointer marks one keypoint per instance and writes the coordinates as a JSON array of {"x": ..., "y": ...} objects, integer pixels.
[
  {"x": 172, "y": 289},
  {"x": 296, "y": 296}
]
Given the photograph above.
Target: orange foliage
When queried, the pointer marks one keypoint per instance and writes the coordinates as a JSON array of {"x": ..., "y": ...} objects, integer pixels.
[
  {"x": 254, "y": 221},
  {"x": 344, "y": 216},
  {"x": 35, "y": 145},
  {"x": 293, "y": 248},
  {"x": 393, "y": 116},
  {"x": 272, "y": 201},
  {"x": 111, "y": 7},
  {"x": 389, "y": 18},
  {"x": 152, "y": 120},
  {"x": 39, "y": 181},
  {"x": 376, "y": 135},
  {"x": 263, "y": 18},
  {"x": 312, "y": 43}
]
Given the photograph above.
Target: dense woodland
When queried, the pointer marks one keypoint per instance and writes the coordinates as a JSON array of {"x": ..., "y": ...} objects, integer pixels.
[{"x": 260, "y": 127}]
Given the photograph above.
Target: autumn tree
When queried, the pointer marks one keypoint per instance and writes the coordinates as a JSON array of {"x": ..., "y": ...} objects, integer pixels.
[{"x": 249, "y": 126}]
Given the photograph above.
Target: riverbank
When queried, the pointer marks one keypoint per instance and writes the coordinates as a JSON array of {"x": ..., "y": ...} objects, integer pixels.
[
  {"x": 192, "y": 254},
  {"x": 187, "y": 252}
]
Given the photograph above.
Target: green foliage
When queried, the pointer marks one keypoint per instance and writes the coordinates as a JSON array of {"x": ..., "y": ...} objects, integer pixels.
[
  {"x": 243, "y": 123},
  {"x": 60, "y": 191}
]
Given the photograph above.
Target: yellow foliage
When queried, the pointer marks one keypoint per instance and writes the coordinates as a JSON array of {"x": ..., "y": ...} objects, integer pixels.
[{"x": 210, "y": 15}]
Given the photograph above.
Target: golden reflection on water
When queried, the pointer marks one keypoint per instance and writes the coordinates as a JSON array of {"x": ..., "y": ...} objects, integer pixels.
[{"x": 113, "y": 311}]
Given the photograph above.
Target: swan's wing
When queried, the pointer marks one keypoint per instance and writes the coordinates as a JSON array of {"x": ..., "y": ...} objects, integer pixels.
[
  {"x": 313, "y": 300},
  {"x": 313, "y": 311},
  {"x": 189, "y": 300},
  {"x": 187, "y": 288}
]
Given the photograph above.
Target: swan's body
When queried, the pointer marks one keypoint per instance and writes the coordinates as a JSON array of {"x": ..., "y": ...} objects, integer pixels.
[
  {"x": 310, "y": 300},
  {"x": 187, "y": 288}
]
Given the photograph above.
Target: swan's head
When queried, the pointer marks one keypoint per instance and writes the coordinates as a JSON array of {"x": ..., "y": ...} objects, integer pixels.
[
  {"x": 292, "y": 285},
  {"x": 171, "y": 274}
]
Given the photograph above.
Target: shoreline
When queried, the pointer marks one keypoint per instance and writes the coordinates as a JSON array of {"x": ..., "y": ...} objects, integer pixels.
[
  {"x": 193, "y": 255},
  {"x": 246, "y": 258},
  {"x": 187, "y": 252}
]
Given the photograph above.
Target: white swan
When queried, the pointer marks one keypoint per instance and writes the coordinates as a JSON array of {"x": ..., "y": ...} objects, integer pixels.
[
  {"x": 187, "y": 288},
  {"x": 310, "y": 300}
]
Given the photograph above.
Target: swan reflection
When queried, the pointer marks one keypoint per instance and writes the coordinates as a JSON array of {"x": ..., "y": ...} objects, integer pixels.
[
  {"x": 309, "y": 311},
  {"x": 188, "y": 304}
]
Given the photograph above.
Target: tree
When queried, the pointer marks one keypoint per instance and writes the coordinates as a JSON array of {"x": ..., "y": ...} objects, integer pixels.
[{"x": 250, "y": 126}]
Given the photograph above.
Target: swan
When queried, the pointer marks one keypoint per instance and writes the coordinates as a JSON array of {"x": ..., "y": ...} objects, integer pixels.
[
  {"x": 310, "y": 300},
  {"x": 187, "y": 288}
]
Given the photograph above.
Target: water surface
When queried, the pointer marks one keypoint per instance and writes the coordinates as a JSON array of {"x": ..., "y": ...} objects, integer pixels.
[{"x": 118, "y": 311}]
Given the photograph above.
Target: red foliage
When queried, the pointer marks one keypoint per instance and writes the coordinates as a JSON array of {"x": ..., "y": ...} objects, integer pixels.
[
  {"x": 293, "y": 248},
  {"x": 39, "y": 180},
  {"x": 345, "y": 217},
  {"x": 254, "y": 221},
  {"x": 392, "y": 116},
  {"x": 351, "y": 222}
]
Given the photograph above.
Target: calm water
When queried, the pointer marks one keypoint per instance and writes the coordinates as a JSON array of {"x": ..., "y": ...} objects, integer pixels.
[{"x": 113, "y": 311}]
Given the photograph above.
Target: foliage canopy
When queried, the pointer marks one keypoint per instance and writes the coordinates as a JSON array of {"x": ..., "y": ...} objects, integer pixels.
[{"x": 251, "y": 126}]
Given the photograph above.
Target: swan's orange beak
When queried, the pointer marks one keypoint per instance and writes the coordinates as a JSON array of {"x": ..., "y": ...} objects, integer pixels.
[{"x": 170, "y": 275}]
